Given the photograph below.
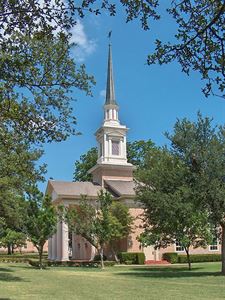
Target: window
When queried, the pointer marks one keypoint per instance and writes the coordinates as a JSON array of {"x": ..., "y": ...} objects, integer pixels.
[
  {"x": 179, "y": 247},
  {"x": 214, "y": 245},
  {"x": 115, "y": 148}
]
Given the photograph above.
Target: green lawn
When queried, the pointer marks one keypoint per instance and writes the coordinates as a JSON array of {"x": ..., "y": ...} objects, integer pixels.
[{"x": 20, "y": 281}]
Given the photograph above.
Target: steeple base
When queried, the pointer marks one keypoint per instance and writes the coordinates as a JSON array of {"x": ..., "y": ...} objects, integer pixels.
[{"x": 102, "y": 172}]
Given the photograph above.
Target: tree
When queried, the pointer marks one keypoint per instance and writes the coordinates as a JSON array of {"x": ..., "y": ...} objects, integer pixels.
[
  {"x": 199, "y": 42},
  {"x": 12, "y": 240},
  {"x": 136, "y": 152},
  {"x": 123, "y": 228},
  {"x": 171, "y": 210},
  {"x": 97, "y": 222},
  {"x": 37, "y": 75},
  {"x": 199, "y": 147},
  {"x": 18, "y": 172},
  {"x": 85, "y": 163},
  {"x": 41, "y": 221}
]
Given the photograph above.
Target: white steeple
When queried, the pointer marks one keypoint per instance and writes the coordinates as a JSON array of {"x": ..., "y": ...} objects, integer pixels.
[{"x": 111, "y": 137}]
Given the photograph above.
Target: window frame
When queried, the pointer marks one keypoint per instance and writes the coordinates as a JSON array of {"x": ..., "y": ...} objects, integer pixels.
[
  {"x": 214, "y": 245},
  {"x": 178, "y": 245}
]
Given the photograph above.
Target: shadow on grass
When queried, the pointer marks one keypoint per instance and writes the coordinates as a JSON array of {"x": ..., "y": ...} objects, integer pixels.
[
  {"x": 6, "y": 275},
  {"x": 167, "y": 272},
  {"x": 5, "y": 270}
]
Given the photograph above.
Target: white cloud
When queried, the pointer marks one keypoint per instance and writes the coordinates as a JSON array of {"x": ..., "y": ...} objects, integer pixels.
[
  {"x": 84, "y": 46},
  {"x": 103, "y": 93}
]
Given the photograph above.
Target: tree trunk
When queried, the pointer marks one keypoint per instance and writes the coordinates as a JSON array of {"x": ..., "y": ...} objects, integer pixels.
[
  {"x": 9, "y": 249},
  {"x": 40, "y": 252},
  {"x": 12, "y": 249},
  {"x": 223, "y": 248},
  {"x": 115, "y": 255},
  {"x": 188, "y": 258},
  {"x": 101, "y": 252}
]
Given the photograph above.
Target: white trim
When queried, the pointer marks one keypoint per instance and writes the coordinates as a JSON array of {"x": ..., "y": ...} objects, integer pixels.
[{"x": 175, "y": 247}]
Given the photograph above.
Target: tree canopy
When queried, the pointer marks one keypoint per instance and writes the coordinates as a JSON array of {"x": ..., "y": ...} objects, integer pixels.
[
  {"x": 172, "y": 213},
  {"x": 40, "y": 221},
  {"x": 101, "y": 223},
  {"x": 191, "y": 183}
]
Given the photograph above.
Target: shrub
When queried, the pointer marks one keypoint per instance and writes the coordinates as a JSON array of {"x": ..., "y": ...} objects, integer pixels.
[
  {"x": 88, "y": 264},
  {"x": 98, "y": 257},
  {"x": 109, "y": 263},
  {"x": 133, "y": 257},
  {"x": 128, "y": 262},
  {"x": 171, "y": 257},
  {"x": 200, "y": 258},
  {"x": 140, "y": 258},
  {"x": 13, "y": 259}
]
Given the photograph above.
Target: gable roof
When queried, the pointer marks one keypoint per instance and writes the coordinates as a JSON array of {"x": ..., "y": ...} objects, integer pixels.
[
  {"x": 67, "y": 188},
  {"x": 121, "y": 188}
]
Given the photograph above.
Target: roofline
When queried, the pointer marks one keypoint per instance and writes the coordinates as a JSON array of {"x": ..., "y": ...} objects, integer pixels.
[{"x": 111, "y": 166}]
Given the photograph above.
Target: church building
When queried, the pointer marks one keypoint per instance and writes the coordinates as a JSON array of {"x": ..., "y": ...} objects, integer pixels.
[{"x": 112, "y": 173}]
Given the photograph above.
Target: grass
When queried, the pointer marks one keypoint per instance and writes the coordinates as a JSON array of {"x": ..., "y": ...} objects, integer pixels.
[{"x": 20, "y": 281}]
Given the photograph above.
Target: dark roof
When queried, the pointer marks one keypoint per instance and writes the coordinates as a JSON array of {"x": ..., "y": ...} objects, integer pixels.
[
  {"x": 66, "y": 188},
  {"x": 121, "y": 188}
]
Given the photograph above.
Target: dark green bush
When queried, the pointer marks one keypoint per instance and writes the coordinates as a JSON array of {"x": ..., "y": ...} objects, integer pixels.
[
  {"x": 200, "y": 258},
  {"x": 171, "y": 257},
  {"x": 98, "y": 258},
  {"x": 109, "y": 263},
  {"x": 88, "y": 264},
  {"x": 128, "y": 262},
  {"x": 13, "y": 259},
  {"x": 140, "y": 258},
  {"x": 137, "y": 258}
]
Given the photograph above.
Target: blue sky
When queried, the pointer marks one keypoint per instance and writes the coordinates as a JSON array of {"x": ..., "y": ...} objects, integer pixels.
[{"x": 151, "y": 98}]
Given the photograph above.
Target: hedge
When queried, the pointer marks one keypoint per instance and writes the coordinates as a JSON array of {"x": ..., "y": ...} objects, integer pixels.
[
  {"x": 13, "y": 259},
  {"x": 200, "y": 258},
  {"x": 46, "y": 263},
  {"x": 174, "y": 258},
  {"x": 98, "y": 257},
  {"x": 137, "y": 258}
]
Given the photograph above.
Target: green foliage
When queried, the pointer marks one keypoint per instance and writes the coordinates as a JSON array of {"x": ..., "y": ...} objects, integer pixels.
[
  {"x": 184, "y": 187},
  {"x": 13, "y": 239},
  {"x": 137, "y": 258},
  {"x": 137, "y": 150},
  {"x": 171, "y": 257},
  {"x": 199, "y": 42},
  {"x": 13, "y": 259},
  {"x": 195, "y": 258},
  {"x": 98, "y": 257},
  {"x": 41, "y": 221},
  {"x": 170, "y": 212},
  {"x": 85, "y": 163},
  {"x": 99, "y": 223}
]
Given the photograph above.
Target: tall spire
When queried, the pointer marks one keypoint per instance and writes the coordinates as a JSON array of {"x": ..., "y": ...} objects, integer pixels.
[{"x": 110, "y": 92}]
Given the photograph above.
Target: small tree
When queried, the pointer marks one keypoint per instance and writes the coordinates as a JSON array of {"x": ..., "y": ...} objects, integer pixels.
[
  {"x": 41, "y": 222},
  {"x": 13, "y": 240},
  {"x": 96, "y": 222},
  {"x": 123, "y": 228}
]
